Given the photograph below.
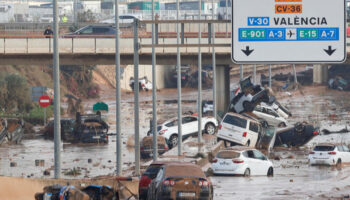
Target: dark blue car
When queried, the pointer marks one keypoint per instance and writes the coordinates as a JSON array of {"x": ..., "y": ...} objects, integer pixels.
[{"x": 93, "y": 31}]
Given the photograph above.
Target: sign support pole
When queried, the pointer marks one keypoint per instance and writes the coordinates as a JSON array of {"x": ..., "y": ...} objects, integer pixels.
[
  {"x": 154, "y": 91},
  {"x": 214, "y": 62},
  {"x": 56, "y": 75},
  {"x": 269, "y": 76},
  {"x": 136, "y": 99},
  {"x": 179, "y": 86},
  {"x": 199, "y": 78},
  {"x": 118, "y": 92}
]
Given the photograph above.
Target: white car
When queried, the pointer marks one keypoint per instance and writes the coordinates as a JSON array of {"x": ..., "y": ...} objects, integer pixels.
[
  {"x": 242, "y": 161},
  {"x": 281, "y": 110},
  {"x": 329, "y": 154},
  {"x": 268, "y": 114},
  {"x": 239, "y": 129},
  {"x": 169, "y": 129}
]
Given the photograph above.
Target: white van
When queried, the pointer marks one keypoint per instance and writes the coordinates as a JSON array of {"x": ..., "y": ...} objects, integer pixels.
[{"x": 239, "y": 129}]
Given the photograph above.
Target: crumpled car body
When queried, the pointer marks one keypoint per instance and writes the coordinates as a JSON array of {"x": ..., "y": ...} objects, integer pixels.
[
  {"x": 248, "y": 96},
  {"x": 146, "y": 148},
  {"x": 144, "y": 84},
  {"x": 11, "y": 131},
  {"x": 297, "y": 135},
  {"x": 90, "y": 129}
]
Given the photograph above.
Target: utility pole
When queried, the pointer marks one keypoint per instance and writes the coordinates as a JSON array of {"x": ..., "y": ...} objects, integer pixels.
[{"x": 199, "y": 75}]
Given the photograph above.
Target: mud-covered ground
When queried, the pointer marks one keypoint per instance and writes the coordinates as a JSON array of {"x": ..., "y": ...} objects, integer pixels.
[{"x": 293, "y": 179}]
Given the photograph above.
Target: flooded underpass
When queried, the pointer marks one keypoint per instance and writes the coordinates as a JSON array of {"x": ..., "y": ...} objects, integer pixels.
[{"x": 293, "y": 179}]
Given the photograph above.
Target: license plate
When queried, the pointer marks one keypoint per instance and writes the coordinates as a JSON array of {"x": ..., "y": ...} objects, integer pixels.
[
  {"x": 320, "y": 161},
  {"x": 187, "y": 194},
  {"x": 96, "y": 137}
]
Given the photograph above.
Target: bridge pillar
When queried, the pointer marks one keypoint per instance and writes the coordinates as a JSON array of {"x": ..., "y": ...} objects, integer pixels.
[
  {"x": 320, "y": 74},
  {"x": 222, "y": 88}
]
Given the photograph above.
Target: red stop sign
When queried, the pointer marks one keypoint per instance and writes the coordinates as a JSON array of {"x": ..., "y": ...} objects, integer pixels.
[{"x": 44, "y": 101}]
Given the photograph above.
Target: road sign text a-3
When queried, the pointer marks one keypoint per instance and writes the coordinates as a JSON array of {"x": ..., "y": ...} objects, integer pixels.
[{"x": 288, "y": 31}]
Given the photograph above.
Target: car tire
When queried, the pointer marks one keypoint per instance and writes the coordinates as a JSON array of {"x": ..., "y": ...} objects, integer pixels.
[
  {"x": 173, "y": 141},
  {"x": 282, "y": 124},
  {"x": 210, "y": 128},
  {"x": 270, "y": 171},
  {"x": 246, "y": 173},
  {"x": 339, "y": 164}
]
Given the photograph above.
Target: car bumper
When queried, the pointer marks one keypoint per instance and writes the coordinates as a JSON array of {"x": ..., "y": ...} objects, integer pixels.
[
  {"x": 236, "y": 171},
  {"x": 230, "y": 139},
  {"x": 319, "y": 161}
]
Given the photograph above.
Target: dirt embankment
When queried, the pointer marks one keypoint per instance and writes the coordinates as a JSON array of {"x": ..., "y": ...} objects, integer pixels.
[{"x": 18, "y": 188}]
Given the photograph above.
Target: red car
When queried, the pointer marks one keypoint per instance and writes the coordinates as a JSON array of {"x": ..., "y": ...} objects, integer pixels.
[{"x": 150, "y": 174}]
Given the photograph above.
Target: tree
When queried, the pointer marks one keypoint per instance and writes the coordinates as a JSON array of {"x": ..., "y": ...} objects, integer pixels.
[{"x": 14, "y": 93}]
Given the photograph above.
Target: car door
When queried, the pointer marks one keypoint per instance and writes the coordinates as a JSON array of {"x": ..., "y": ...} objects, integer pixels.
[
  {"x": 157, "y": 183},
  {"x": 251, "y": 162},
  {"x": 262, "y": 163},
  {"x": 346, "y": 154},
  {"x": 189, "y": 125},
  {"x": 86, "y": 32},
  {"x": 253, "y": 133}
]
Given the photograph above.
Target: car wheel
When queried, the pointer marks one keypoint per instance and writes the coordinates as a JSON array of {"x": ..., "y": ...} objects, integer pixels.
[
  {"x": 270, "y": 172},
  {"x": 173, "y": 141},
  {"x": 282, "y": 124},
  {"x": 339, "y": 164},
  {"x": 246, "y": 172},
  {"x": 210, "y": 128}
]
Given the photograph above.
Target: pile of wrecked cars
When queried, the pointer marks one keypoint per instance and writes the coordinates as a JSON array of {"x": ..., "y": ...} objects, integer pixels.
[
  {"x": 88, "y": 128},
  {"x": 11, "y": 131},
  {"x": 249, "y": 121}
]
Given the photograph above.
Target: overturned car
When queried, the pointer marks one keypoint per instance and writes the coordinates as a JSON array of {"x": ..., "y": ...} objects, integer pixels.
[
  {"x": 248, "y": 96},
  {"x": 11, "y": 131}
]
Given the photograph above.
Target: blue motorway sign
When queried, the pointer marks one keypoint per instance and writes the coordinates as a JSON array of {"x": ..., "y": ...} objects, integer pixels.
[{"x": 288, "y": 31}]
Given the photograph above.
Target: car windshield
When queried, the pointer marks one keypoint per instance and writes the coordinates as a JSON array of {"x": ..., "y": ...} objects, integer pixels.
[
  {"x": 228, "y": 154},
  {"x": 324, "y": 148}
]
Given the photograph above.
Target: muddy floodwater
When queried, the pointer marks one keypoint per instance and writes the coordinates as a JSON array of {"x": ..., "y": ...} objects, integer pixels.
[{"x": 293, "y": 179}]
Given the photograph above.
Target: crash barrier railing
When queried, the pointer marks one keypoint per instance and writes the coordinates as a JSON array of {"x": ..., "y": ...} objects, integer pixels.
[
  {"x": 102, "y": 44},
  {"x": 248, "y": 69}
]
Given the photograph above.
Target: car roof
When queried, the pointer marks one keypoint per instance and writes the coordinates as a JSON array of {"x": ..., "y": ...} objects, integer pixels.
[
  {"x": 175, "y": 118},
  {"x": 244, "y": 116},
  {"x": 164, "y": 162},
  {"x": 329, "y": 144},
  {"x": 183, "y": 169}
]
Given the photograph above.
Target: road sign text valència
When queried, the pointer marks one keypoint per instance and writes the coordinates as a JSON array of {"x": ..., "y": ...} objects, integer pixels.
[{"x": 288, "y": 31}]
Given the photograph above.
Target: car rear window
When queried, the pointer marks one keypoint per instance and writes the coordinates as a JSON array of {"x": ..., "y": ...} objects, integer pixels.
[
  {"x": 183, "y": 171},
  {"x": 228, "y": 154},
  {"x": 324, "y": 148},
  {"x": 152, "y": 171},
  {"x": 236, "y": 121}
]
